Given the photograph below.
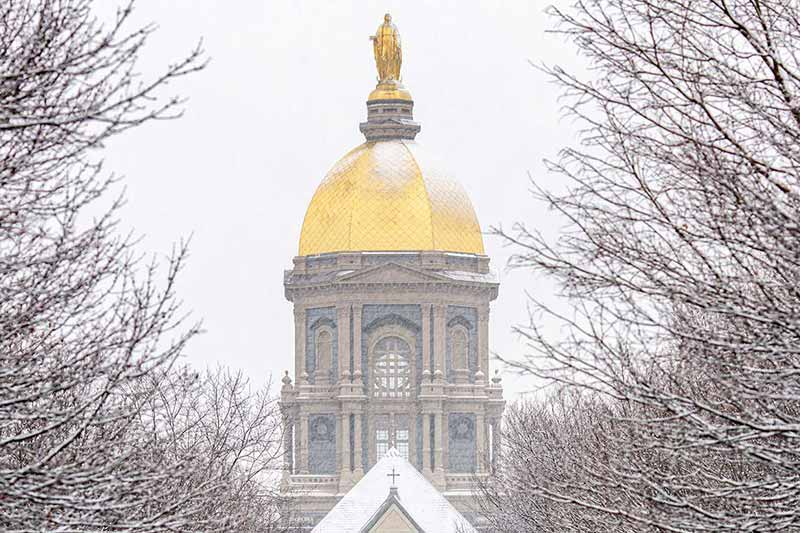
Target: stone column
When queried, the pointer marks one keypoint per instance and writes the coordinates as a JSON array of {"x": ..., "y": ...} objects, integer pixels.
[
  {"x": 445, "y": 441},
  {"x": 299, "y": 343},
  {"x": 497, "y": 444},
  {"x": 345, "y": 472},
  {"x": 343, "y": 346},
  {"x": 338, "y": 444},
  {"x": 483, "y": 339},
  {"x": 357, "y": 371},
  {"x": 288, "y": 452},
  {"x": 426, "y": 342},
  {"x": 426, "y": 443},
  {"x": 438, "y": 435},
  {"x": 480, "y": 443},
  {"x": 344, "y": 439},
  {"x": 439, "y": 340},
  {"x": 302, "y": 438},
  {"x": 493, "y": 443},
  {"x": 298, "y": 434},
  {"x": 358, "y": 469}
]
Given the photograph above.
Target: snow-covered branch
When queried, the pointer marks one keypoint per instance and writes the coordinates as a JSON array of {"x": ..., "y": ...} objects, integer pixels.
[{"x": 680, "y": 264}]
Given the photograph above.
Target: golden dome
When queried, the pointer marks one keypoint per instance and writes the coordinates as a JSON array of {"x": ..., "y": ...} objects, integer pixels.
[{"x": 386, "y": 196}]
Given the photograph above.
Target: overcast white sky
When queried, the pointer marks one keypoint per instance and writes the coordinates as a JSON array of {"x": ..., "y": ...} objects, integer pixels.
[{"x": 280, "y": 103}]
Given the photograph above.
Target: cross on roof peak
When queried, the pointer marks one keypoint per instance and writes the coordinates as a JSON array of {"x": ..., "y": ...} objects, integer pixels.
[{"x": 393, "y": 475}]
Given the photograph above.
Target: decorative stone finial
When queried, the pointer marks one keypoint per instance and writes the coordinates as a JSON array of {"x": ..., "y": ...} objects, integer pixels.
[
  {"x": 497, "y": 379},
  {"x": 287, "y": 381}
]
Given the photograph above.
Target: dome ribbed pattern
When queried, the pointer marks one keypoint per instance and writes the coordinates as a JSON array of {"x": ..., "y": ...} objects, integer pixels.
[{"x": 387, "y": 196}]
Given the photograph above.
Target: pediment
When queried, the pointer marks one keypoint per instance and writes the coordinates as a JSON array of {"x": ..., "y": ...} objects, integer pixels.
[
  {"x": 391, "y": 273},
  {"x": 394, "y": 520}
]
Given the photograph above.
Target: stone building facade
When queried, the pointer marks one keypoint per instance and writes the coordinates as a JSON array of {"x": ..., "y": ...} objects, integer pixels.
[{"x": 391, "y": 293}]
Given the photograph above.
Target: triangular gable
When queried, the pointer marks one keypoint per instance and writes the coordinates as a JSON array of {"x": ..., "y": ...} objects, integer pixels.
[
  {"x": 392, "y": 517},
  {"x": 420, "y": 501},
  {"x": 391, "y": 273},
  {"x": 393, "y": 521}
]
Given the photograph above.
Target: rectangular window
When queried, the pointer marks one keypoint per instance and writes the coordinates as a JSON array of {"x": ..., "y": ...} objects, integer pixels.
[
  {"x": 382, "y": 436},
  {"x": 401, "y": 437},
  {"x": 392, "y": 431},
  {"x": 381, "y": 442}
]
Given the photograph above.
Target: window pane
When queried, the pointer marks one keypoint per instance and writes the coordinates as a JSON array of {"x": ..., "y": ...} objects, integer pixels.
[
  {"x": 392, "y": 368},
  {"x": 402, "y": 447},
  {"x": 382, "y": 448}
]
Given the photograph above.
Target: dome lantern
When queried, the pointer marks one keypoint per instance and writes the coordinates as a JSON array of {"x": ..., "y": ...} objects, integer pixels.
[{"x": 389, "y": 106}]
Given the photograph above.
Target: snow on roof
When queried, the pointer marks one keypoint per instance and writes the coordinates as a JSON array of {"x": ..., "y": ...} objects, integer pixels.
[{"x": 419, "y": 499}]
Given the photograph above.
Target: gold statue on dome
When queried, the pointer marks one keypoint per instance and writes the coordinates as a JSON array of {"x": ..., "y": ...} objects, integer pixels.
[{"x": 388, "y": 52}]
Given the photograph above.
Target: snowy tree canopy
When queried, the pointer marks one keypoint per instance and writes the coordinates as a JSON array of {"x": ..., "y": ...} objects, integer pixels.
[
  {"x": 100, "y": 428},
  {"x": 679, "y": 407}
]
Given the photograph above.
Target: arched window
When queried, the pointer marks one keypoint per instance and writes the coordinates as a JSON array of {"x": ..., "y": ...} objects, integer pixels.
[
  {"x": 324, "y": 349},
  {"x": 459, "y": 346},
  {"x": 392, "y": 368}
]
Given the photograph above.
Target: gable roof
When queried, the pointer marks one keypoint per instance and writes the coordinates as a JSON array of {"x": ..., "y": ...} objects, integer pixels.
[
  {"x": 391, "y": 503},
  {"x": 422, "y": 503}
]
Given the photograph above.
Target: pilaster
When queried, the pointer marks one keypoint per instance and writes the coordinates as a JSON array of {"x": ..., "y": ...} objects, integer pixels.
[
  {"x": 439, "y": 341},
  {"x": 357, "y": 372},
  {"x": 288, "y": 452},
  {"x": 480, "y": 443},
  {"x": 299, "y": 342},
  {"x": 445, "y": 441},
  {"x": 358, "y": 470},
  {"x": 343, "y": 346},
  {"x": 302, "y": 439},
  {"x": 426, "y": 343},
  {"x": 483, "y": 339},
  {"x": 426, "y": 443},
  {"x": 497, "y": 441},
  {"x": 345, "y": 470},
  {"x": 438, "y": 449}
]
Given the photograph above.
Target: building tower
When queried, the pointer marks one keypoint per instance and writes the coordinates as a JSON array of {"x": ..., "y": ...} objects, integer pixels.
[{"x": 391, "y": 291}]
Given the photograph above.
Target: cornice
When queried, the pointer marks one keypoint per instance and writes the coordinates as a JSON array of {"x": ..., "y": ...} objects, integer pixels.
[{"x": 292, "y": 291}]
